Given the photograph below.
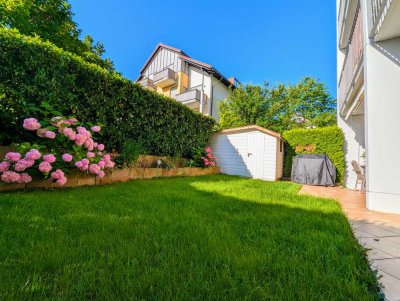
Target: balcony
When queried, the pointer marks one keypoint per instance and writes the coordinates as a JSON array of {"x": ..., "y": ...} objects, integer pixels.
[
  {"x": 346, "y": 18},
  {"x": 385, "y": 20},
  {"x": 148, "y": 83},
  {"x": 351, "y": 77},
  {"x": 165, "y": 78},
  {"x": 190, "y": 98}
]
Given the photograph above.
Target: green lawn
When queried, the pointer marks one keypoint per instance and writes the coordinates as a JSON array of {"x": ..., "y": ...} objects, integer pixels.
[{"x": 197, "y": 238}]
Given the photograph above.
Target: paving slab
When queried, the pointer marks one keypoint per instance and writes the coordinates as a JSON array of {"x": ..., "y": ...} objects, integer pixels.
[{"x": 378, "y": 232}]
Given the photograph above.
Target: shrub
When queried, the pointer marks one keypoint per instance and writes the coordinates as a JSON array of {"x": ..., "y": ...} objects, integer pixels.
[
  {"x": 204, "y": 158},
  {"x": 64, "y": 144},
  {"x": 32, "y": 71},
  {"x": 328, "y": 140},
  {"x": 131, "y": 151}
]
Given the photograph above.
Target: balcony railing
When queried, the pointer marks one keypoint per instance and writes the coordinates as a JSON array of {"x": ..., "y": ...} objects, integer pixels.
[
  {"x": 377, "y": 7},
  {"x": 189, "y": 96},
  {"x": 148, "y": 83},
  {"x": 165, "y": 78},
  {"x": 353, "y": 59}
]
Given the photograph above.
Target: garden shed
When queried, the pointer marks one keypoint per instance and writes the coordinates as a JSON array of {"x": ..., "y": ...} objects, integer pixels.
[{"x": 250, "y": 151}]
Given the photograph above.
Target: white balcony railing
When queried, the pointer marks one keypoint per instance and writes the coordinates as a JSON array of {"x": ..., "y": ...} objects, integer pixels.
[
  {"x": 148, "y": 83},
  {"x": 377, "y": 7},
  {"x": 188, "y": 96},
  {"x": 353, "y": 59},
  {"x": 165, "y": 78}
]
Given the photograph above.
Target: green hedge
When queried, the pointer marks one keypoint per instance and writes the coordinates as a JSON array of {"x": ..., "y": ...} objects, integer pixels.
[
  {"x": 327, "y": 140},
  {"x": 32, "y": 71}
]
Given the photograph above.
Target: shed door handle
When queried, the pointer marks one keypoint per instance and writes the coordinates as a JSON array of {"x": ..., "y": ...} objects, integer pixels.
[{"x": 249, "y": 154}]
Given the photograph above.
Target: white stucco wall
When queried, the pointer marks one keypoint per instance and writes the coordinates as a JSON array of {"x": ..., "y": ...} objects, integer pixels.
[
  {"x": 219, "y": 93},
  {"x": 382, "y": 79},
  {"x": 195, "y": 81},
  {"x": 354, "y": 146},
  {"x": 376, "y": 131}
]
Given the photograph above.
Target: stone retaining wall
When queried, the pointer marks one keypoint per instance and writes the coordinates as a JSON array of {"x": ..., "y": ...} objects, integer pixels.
[{"x": 125, "y": 174}]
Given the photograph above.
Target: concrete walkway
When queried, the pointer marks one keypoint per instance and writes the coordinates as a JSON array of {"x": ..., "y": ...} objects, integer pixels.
[{"x": 378, "y": 232}]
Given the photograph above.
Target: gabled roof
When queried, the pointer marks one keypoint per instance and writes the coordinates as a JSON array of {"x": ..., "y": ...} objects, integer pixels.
[
  {"x": 183, "y": 56},
  {"x": 249, "y": 128},
  {"x": 160, "y": 45}
]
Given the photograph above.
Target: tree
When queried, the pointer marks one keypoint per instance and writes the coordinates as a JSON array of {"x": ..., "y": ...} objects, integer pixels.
[
  {"x": 245, "y": 105},
  {"x": 51, "y": 20},
  {"x": 306, "y": 104}
]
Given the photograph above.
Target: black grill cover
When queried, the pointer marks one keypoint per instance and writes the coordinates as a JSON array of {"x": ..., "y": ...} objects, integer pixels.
[{"x": 313, "y": 169}]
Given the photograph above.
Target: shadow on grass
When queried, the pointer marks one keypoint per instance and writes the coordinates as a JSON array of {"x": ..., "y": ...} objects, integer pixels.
[{"x": 214, "y": 237}]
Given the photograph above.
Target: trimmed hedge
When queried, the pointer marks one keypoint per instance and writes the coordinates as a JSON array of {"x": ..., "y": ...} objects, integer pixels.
[
  {"x": 32, "y": 71},
  {"x": 327, "y": 140}
]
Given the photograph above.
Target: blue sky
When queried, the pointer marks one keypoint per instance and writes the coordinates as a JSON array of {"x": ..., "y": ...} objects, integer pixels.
[{"x": 278, "y": 41}]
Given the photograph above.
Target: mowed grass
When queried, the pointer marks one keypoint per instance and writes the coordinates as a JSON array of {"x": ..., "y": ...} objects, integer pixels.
[{"x": 197, "y": 238}]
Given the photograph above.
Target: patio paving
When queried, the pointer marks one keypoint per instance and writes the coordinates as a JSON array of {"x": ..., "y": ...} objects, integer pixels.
[{"x": 378, "y": 232}]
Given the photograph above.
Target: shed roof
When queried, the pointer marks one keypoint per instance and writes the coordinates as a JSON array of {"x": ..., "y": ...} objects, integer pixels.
[{"x": 250, "y": 128}]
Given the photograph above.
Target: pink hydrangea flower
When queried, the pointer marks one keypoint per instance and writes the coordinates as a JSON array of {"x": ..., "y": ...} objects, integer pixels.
[
  {"x": 208, "y": 149},
  {"x": 80, "y": 139},
  {"x": 41, "y": 132},
  {"x": 100, "y": 147},
  {"x": 81, "y": 165},
  {"x": 50, "y": 134},
  {"x": 50, "y": 158},
  {"x": 61, "y": 181},
  {"x": 99, "y": 153},
  {"x": 58, "y": 174},
  {"x": 89, "y": 144},
  {"x": 56, "y": 121},
  {"x": 10, "y": 176},
  {"x": 101, "y": 163},
  {"x": 45, "y": 167},
  {"x": 13, "y": 156},
  {"x": 70, "y": 133},
  {"x": 82, "y": 130},
  {"x": 73, "y": 120},
  {"x": 85, "y": 161},
  {"x": 101, "y": 174},
  {"x": 33, "y": 154},
  {"x": 21, "y": 165},
  {"x": 90, "y": 155},
  {"x": 4, "y": 166},
  {"x": 31, "y": 124},
  {"x": 109, "y": 164},
  {"x": 95, "y": 144},
  {"x": 94, "y": 169},
  {"x": 96, "y": 128},
  {"x": 67, "y": 157},
  {"x": 24, "y": 178}
]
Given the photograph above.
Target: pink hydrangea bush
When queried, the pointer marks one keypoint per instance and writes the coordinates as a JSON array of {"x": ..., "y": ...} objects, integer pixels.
[
  {"x": 66, "y": 145},
  {"x": 209, "y": 159}
]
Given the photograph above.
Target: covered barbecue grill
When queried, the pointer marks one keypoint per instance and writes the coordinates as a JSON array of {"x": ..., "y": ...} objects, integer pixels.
[{"x": 313, "y": 169}]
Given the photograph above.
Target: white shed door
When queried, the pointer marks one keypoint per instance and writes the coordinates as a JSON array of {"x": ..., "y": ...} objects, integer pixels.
[{"x": 255, "y": 154}]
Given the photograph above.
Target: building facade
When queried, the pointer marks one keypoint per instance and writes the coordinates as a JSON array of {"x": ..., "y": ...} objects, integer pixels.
[
  {"x": 198, "y": 85},
  {"x": 368, "y": 55}
]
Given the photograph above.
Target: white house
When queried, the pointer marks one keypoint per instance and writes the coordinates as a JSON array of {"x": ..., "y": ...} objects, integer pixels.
[
  {"x": 250, "y": 151},
  {"x": 368, "y": 53},
  {"x": 198, "y": 85}
]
